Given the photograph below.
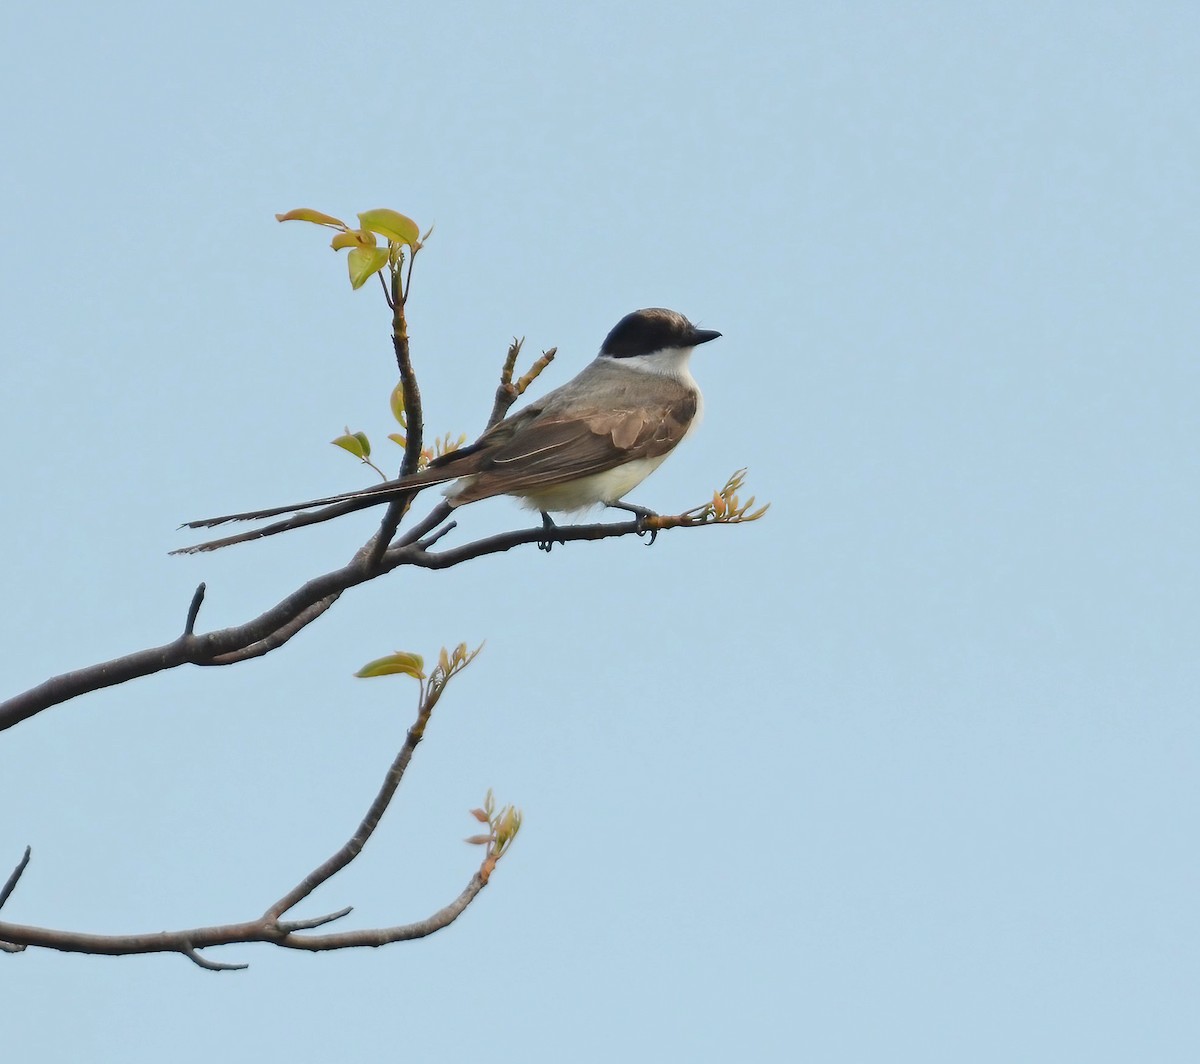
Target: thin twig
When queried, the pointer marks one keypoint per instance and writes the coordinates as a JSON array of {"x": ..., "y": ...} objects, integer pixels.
[
  {"x": 384, "y": 936},
  {"x": 412, "y": 257},
  {"x": 506, "y": 391},
  {"x": 510, "y": 360},
  {"x": 430, "y": 540},
  {"x": 288, "y": 926},
  {"x": 392, "y": 517},
  {"x": 194, "y": 610},
  {"x": 413, "y": 413},
  {"x": 278, "y": 637},
  {"x": 386, "y": 294},
  {"x": 269, "y": 928},
  {"x": 212, "y": 966},
  {"x": 415, "y": 421},
  {"x": 11, "y": 883},
  {"x": 436, "y": 516},
  {"x": 366, "y": 828},
  {"x": 535, "y": 370}
]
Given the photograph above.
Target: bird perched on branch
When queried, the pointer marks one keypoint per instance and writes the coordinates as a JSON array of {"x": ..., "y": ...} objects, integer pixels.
[{"x": 588, "y": 442}]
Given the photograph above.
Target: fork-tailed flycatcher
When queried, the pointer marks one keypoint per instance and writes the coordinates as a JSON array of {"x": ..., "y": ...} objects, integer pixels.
[{"x": 590, "y": 441}]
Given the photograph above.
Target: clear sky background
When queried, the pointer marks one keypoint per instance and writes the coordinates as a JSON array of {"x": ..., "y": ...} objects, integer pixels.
[{"x": 905, "y": 772}]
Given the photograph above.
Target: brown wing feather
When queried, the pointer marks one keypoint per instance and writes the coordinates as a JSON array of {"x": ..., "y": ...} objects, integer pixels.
[{"x": 552, "y": 449}]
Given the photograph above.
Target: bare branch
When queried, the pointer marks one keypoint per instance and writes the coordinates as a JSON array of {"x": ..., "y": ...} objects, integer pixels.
[
  {"x": 194, "y": 610},
  {"x": 412, "y": 258},
  {"x": 506, "y": 391},
  {"x": 430, "y": 540},
  {"x": 277, "y": 625},
  {"x": 415, "y": 430},
  {"x": 535, "y": 370},
  {"x": 288, "y": 926},
  {"x": 386, "y": 294},
  {"x": 366, "y": 828},
  {"x": 386, "y": 935},
  {"x": 269, "y": 928},
  {"x": 17, "y": 937},
  {"x": 436, "y": 516},
  {"x": 212, "y": 966},
  {"x": 510, "y": 360},
  {"x": 11, "y": 883},
  {"x": 504, "y": 541},
  {"x": 185, "y": 650},
  {"x": 278, "y": 637}
]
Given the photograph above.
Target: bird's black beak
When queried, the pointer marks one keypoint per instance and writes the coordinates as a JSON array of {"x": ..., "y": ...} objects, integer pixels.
[{"x": 702, "y": 336}]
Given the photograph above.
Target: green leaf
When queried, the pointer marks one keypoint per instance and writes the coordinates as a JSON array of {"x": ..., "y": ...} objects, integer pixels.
[
  {"x": 395, "y": 437},
  {"x": 353, "y": 238},
  {"x": 396, "y": 227},
  {"x": 363, "y": 263},
  {"x": 307, "y": 214},
  {"x": 402, "y": 663},
  {"x": 397, "y": 401},
  {"x": 354, "y": 442}
]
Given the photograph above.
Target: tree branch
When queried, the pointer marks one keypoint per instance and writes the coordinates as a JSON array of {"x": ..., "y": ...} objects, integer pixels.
[
  {"x": 270, "y": 927},
  {"x": 423, "y": 559},
  {"x": 275, "y": 626},
  {"x": 366, "y": 828},
  {"x": 414, "y": 432},
  {"x": 508, "y": 391}
]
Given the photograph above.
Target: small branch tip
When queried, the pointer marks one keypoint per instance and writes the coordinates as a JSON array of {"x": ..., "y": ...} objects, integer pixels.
[
  {"x": 10, "y": 884},
  {"x": 288, "y": 926},
  {"x": 194, "y": 610},
  {"x": 211, "y": 966}
]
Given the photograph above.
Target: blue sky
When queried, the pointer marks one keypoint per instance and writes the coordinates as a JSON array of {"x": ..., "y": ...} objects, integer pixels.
[{"x": 906, "y": 771}]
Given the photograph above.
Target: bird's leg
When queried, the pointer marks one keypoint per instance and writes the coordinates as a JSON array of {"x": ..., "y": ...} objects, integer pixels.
[
  {"x": 642, "y": 515},
  {"x": 550, "y": 534}
]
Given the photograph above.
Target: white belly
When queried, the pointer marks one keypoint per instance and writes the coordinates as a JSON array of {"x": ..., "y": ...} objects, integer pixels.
[{"x": 589, "y": 491}]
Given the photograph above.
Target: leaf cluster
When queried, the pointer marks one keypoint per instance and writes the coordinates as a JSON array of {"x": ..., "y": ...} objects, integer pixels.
[
  {"x": 365, "y": 257},
  {"x": 503, "y": 825},
  {"x": 726, "y": 507}
]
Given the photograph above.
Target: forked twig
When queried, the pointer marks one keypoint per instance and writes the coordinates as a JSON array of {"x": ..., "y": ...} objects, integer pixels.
[{"x": 270, "y": 927}]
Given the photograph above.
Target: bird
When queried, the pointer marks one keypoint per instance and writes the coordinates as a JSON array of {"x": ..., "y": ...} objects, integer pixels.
[{"x": 588, "y": 442}]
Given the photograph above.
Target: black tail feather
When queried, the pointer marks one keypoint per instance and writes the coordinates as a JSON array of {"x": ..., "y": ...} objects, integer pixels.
[
  {"x": 368, "y": 496},
  {"x": 330, "y": 507},
  {"x": 297, "y": 520}
]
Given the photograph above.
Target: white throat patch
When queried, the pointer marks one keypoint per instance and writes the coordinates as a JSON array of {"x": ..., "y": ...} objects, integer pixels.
[{"x": 669, "y": 362}]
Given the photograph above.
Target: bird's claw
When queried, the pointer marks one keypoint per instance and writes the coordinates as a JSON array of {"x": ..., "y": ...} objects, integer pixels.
[
  {"x": 550, "y": 535},
  {"x": 643, "y": 516}
]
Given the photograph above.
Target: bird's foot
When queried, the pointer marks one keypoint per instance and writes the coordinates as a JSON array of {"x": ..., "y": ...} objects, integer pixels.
[
  {"x": 550, "y": 534},
  {"x": 643, "y": 515}
]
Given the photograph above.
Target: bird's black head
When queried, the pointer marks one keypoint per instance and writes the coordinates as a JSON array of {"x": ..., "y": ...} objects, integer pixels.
[{"x": 645, "y": 331}]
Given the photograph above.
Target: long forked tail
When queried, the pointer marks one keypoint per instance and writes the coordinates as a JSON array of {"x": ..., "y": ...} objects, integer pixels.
[{"x": 330, "y": 507}]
